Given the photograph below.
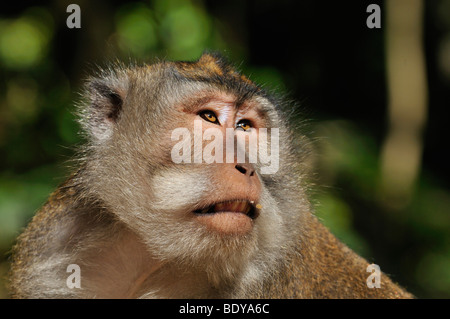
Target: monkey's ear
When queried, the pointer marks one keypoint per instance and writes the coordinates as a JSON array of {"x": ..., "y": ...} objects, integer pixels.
[{"x": 105, "y": 101}]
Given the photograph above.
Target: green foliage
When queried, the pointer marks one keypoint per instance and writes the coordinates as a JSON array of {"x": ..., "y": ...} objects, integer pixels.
[
  {"x": 137, "y": 29},
  {"x": 35, "y": 30},
  {"x": 180, "y": 30}
]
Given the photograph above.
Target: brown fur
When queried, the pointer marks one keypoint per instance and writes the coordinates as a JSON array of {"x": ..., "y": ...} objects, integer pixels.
[
  {"x": 323, "y": 267},
  {"x": 126, "y": 216}
]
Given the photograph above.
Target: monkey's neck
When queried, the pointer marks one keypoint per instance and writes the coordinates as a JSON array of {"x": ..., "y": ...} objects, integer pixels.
[{"x": 128, "y": 270}]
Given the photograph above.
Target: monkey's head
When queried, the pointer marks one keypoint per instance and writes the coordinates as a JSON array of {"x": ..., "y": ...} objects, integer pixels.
[{"x": 165, "y": 156}]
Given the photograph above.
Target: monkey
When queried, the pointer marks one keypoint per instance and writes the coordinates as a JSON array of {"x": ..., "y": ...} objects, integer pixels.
[{"x": 139, "y": 224}]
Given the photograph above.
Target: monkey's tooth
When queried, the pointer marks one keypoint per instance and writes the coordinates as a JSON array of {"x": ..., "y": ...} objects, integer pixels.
[
  {"x": 234, "y": 207},
  {"x": 242, "y": 207}
]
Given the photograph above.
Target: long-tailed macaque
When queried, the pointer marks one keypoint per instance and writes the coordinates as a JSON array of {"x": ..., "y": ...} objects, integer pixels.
[{"x": 161, "y": 206}]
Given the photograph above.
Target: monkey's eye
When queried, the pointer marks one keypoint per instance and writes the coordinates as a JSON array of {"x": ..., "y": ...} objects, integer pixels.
[
  {"x": 209, "y": 116},
  {"x": 245, "y": 125}
]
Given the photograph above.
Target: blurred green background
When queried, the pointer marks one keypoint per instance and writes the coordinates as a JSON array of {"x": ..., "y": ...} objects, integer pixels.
[{"x": 319, "y": 53}]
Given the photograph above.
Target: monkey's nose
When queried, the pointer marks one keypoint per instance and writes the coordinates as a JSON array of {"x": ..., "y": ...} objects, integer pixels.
[{"x": 246, "y": 169}]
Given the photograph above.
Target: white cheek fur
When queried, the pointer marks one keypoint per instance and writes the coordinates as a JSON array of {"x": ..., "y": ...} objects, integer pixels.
[{"x": 178, "y": 188}]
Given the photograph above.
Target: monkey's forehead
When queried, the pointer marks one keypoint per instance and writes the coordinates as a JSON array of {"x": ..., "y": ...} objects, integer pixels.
[
  {"x": 209, "y": 67},
  {"x": 214, "y": 70},
  {"x": 209, "y": 73}
]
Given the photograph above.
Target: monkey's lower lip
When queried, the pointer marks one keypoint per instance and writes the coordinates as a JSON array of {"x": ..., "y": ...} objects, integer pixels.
[{"x": 238, "y": 206}]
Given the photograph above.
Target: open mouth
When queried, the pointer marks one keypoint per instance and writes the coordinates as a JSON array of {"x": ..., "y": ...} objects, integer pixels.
[{"x": 236, "y": 206}]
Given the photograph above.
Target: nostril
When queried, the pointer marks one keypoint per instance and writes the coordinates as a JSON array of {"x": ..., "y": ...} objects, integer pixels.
[{"x": 241, "y": 169}]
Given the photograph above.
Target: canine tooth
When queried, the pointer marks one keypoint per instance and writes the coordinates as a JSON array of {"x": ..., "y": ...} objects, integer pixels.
[{"x": 259, "y": 206}]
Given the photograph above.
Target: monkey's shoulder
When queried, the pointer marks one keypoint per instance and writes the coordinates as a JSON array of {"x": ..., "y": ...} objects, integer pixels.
[
  {"x": 323, "y": 267},
  {"x": 50, "y": 226}
]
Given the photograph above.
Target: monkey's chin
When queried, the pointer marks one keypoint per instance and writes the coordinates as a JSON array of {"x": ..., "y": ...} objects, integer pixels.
[{"x": 227, "y": 223}]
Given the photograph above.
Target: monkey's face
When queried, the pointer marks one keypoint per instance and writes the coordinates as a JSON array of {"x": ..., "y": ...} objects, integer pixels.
[
  {"x": 199, "y": 188},
  {"x": 172, "y": 159},
  {"x": 229, "y": 205}
]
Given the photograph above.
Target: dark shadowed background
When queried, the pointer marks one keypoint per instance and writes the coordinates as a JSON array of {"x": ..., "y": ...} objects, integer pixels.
[{"x": 374, "y": 101}]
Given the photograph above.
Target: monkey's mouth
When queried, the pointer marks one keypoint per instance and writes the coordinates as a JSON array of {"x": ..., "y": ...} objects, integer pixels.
[{"x": 236, "y": 206}]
